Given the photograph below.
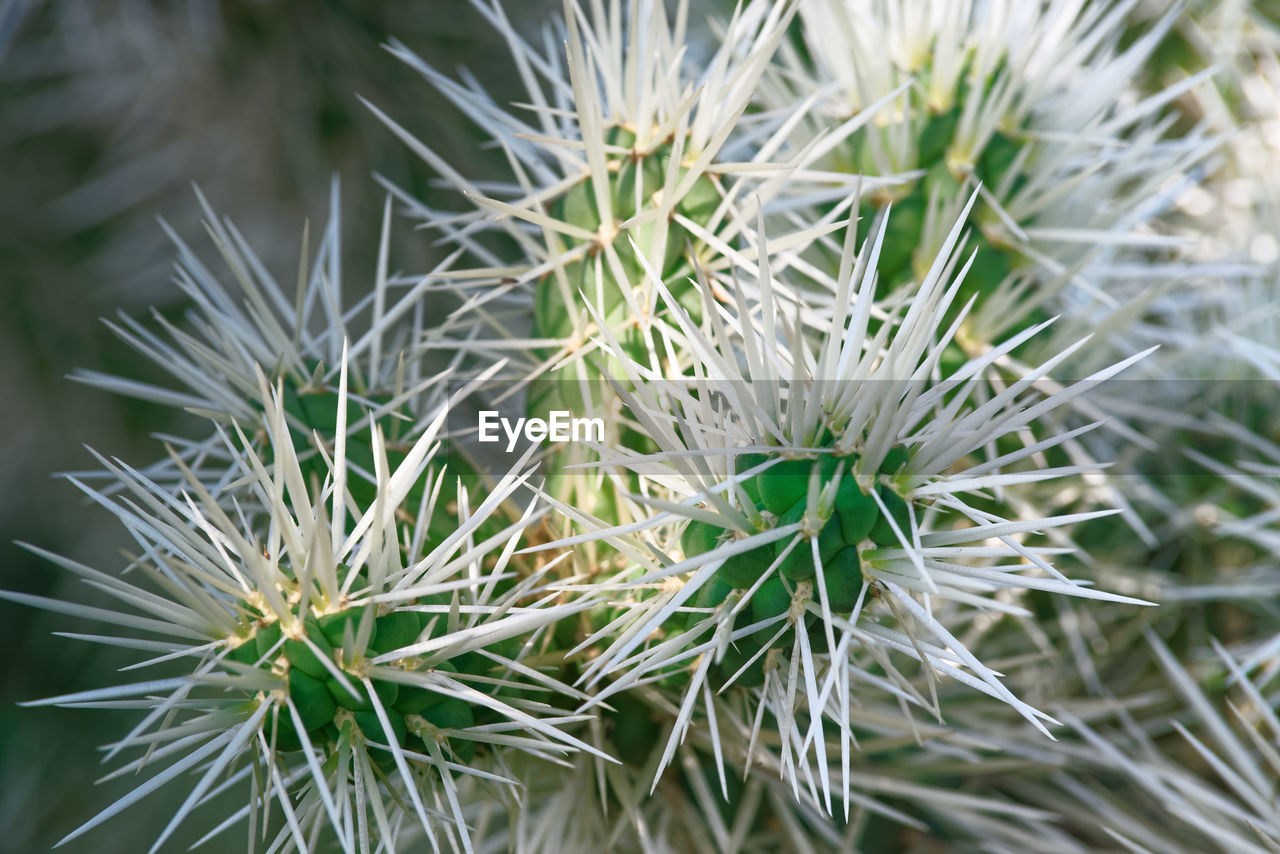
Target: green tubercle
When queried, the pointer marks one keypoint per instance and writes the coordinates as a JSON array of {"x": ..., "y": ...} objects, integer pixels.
[
  {"x": 853, "y": 522},
  {"x": 636, "y": 181}
]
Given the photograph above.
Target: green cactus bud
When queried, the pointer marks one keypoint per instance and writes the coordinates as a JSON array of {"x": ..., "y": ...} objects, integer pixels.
[
  {"x": 700, "y": 537},
  {"x": 894, "y": 460},
  {"x": 751, "y": 486},
  {"x": 314, "y": 702},
  {"x": 856, "y": 511},
  {"x": 651, "y": 173},
  {"x": 396, "y": 631},
  {"x": 842, "y": 579},
  {"x": 710, "y": 595},
  {"x": 770, "y": 600},
  {"x": 413, "y": 700},
  {"x": 452, "y": 713},
  {"x": 387, "y": 692},
  {"x": 346, "y": 699},
  {"x": 266, "y": 638},
  {"x": 301, "y": 656},
  {"x": 744, "y": 570},
  {"x": 620, "y": 136},
  {"x": 700, "y": 203},
  {"x": 882, "y": 533},
  {"x": 830, "y": 540},
  {"x": 578, "y": 206},
  {"x": 245, "y": 653},
  {"x": 784, "y": 484},
  {"x": 333, "y": 626},
  {"x": 373, "y": 730},
  {"x": 798, "y": 564}
]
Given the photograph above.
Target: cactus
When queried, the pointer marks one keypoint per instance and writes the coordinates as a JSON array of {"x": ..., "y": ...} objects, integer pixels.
[{"x": 839, "y": 553}]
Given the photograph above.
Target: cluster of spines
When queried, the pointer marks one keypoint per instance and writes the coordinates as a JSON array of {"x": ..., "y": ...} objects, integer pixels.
[
  {"x": 327, "y": 695},
  {"x": 636, "y": 178},
  {"x": 849, "y": 520}
]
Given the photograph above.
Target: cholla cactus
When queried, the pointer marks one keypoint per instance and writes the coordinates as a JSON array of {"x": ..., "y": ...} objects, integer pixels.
[
  {"x": 838, "y": 549},
  {"x": 335, "y": 662},
  {"x": 1032, "y": 105},
  {"x": 833, "y": 483}
]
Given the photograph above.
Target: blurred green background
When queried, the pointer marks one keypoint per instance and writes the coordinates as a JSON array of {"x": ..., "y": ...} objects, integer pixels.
[{"x": 108, "y": 112}]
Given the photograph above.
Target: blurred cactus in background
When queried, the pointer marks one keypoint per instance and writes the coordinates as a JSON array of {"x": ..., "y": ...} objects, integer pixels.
[{"x": 924, "y": 354}]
